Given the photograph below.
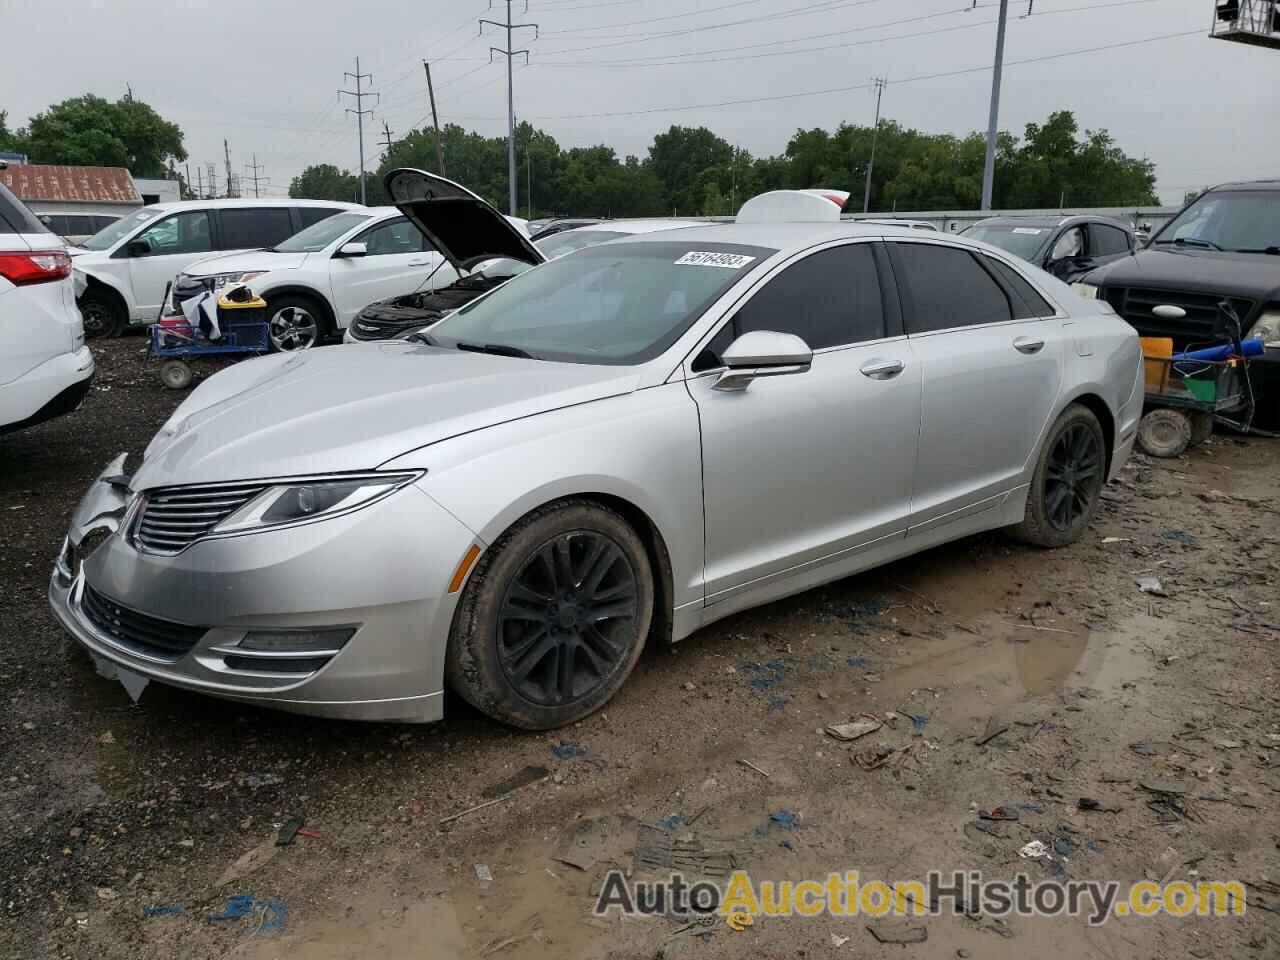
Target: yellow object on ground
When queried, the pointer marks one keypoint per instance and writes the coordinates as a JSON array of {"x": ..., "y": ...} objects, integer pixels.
[
  {"x": 1156, "y": 352},
  {"x": 739, "y": 921}
]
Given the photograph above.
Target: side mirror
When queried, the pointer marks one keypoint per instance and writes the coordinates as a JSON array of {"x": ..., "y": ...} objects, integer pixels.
[
  {"x": 762, "y": 353},
  {"x": 138, "y": 248},
  {"x": 353, "y": 249}
]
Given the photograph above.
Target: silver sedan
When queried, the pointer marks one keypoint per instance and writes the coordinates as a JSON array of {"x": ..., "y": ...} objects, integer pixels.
[{"x": 614, "y": 448}]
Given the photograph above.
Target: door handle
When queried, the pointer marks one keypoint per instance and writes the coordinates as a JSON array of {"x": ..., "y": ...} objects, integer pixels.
[
  {"x": 1028, "y": 345},
  {"x": 882, "y": 369},
  {"x": 419, "y": 263}
]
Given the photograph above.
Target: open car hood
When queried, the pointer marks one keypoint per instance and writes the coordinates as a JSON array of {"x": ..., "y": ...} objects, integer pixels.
[{"x": 462, "y": 226}]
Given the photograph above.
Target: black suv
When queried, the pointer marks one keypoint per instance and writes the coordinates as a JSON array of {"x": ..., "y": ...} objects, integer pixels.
[{"x": 1223, "y": 246}]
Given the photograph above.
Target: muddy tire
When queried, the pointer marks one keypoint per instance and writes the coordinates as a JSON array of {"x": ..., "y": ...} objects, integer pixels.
[
  {"x": 553, "y": 619},
  {"x": 175, "y": 374},
  {"x": 1164, "y": 433},
  {"x": 1067, "y": 481}
]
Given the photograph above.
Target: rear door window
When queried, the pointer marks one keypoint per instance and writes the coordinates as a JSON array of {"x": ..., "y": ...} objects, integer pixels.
[
  {"x": 249, "y": 227},
  {"x": 945, "y": 287},
  {"x": 394, "y": 236},
  {"x": 1105, "y": 241},
  {"x": 1027, "y": 303}
]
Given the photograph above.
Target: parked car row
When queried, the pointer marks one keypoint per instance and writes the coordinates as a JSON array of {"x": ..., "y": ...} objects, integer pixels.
[{"x": 558, "y": 471}]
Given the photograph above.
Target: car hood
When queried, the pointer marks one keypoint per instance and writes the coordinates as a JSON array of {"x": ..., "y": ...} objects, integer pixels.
[
  {"x": 245, "y": 262},
  {"x": 331, "y": 410},
  {"x": 462, "y": 226},
  {"x": 1250, "y": 275}
]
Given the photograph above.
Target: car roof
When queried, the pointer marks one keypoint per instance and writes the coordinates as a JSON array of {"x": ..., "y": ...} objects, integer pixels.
[
  {"x": 639, "y": 225},
  {"x": 1050, "y": 221},
  {"x": 1271, "y": 184},
  {"x": 242, "y": 202},
  {"x": 781, "y": 236}
]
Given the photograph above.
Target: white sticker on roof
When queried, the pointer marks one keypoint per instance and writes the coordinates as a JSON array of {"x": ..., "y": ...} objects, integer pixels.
[
  {"x": 705, "y": 258},
  {"x": 1033, "y": 231}
]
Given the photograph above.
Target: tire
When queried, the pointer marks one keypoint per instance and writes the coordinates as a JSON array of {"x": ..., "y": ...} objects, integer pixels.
[
  {"x": 1071, "y": 465},
  {"x": 103, "y": 314},
  {"x": 175, "y": 375},
  {"x": 1201, "y": 428},
  {"x": 294, "y": 322},
  {"x": 525, "y": 647},
  {"x": 1164, "y": 433}
]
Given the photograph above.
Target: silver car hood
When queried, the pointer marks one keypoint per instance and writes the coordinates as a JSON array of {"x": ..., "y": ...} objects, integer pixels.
[
  {"x": 246, "y": 261},
  {"x": 355, "y": 408}
]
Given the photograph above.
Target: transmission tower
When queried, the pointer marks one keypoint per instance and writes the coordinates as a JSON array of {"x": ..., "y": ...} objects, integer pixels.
[
  {"x": 360, "y": 93},
  {"x": 511, "y": 103},
  {"x": 255, "y": 167}
]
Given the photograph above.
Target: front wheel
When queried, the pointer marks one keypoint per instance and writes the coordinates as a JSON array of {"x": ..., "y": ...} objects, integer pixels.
[
  {"x": 103, "y": 315},
  {"x": 1067, "y": 481},
  {"x": 294, "y": 323},
  {"x": 554, "y": 617}
]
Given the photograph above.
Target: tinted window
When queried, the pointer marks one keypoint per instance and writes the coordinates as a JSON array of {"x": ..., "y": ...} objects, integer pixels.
[
  {"x": 250, "y": 227},
  {"x": 15, "y": 217},
  {"x": 946, "y": 287},
  {"x": 828, "y": 299},
  {"x": 310, "y": 215},
  {"x": 1106, "y": 241},
  {"x": 1026, "y": 302},
  {"x": 180, "y": 233},
  {"x": 394, "y": 236}
]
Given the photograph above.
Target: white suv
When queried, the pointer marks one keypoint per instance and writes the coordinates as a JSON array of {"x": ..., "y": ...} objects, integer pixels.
[
  {"x": 121, "y": 271},
  {"x": 317, "y": 281},
  {"x": 45, "y": 367}
]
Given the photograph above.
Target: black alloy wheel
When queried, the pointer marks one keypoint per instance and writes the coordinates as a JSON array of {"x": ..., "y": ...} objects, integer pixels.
[
  {"x": 568, "y": 619},
  {"x": 1074, "y": 476}
]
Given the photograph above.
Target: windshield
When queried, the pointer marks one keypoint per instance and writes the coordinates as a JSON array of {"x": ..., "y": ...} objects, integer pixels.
[
  {"x": 107, "y": 236},
  {"x": 558, "y": 244},
  {"x": 320, "y": 235},
  {"x": 617, "y": 304},
  {"x": 1231, "y": 220},
  {"x": 1020, "y": 241}
]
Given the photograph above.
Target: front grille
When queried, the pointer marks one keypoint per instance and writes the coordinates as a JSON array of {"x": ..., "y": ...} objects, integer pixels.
[
  {"x": 174, "y": 518},
  {"x": 1201, "y": 325},
  {"x": 137, "y": 631}
]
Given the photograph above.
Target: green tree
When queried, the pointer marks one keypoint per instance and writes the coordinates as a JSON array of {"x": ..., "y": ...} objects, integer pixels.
[
  {"x": 679, "y": 157},
  {"x": 11, "y": 141},
  {"x": 91, "y": 131},
  {"x": 324, "y": 181}
]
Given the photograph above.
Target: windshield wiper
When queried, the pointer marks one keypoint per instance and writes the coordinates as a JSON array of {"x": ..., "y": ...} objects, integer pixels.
[
  {"x": 1274, "y": 251},
  {"x": 498, "y": 349},
  {"x": 1191, "y": 242}
]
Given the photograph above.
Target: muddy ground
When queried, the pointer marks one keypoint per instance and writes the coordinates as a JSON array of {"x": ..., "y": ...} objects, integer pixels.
[{"x": 124, "y": 829}]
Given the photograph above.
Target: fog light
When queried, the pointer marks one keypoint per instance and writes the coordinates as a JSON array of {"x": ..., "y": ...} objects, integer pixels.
[{"x": 297, "y": 641}]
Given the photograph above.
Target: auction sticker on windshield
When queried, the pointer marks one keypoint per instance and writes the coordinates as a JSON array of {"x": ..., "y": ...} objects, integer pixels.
[
  {"x": 705, "y": 258},
  {"x": 1033, "y": 231}
]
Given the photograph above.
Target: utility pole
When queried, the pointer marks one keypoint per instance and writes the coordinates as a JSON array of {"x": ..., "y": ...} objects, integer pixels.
[
  {"x": 226, "y": 151},
  {"x": 435, "y": 119},
  {"x": 359, "y": 93},
  {"x": 989, "y": 165},
  {"x": 255, "y": 167},
  {"x": 187, "y": 167},
  {"x": 199, "y": 184},
  {"x": 386, "y": 140},
  {"x": 511, "y": 104},
  {"x": 880, "y": 83}
]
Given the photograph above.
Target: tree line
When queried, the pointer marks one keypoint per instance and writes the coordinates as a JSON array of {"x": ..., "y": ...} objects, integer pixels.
[{"x": 692, "y": 171}]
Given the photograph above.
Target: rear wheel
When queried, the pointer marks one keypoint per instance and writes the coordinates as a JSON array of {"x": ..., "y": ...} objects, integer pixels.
[
  {"x": 1165, "y": 433},
  {"x": 295, "y": 323},
  {"x": 175, "y": 374},
  {"x": 1067, "y": 481},
  {"x": 103, "y": 314},
  {"x": 554, "y": 617}
]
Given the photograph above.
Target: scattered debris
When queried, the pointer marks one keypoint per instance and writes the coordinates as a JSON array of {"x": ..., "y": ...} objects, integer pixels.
[
  {"x": 271, "y": 914},
  {"x": 657, "y": 851},
  {"x": 163, "y": 910},
  {"x": 873, "y": 758},
  {"x": 993, "y": 729},
  {"x": 748, "y": 763},
  {"x": 288, "y": 831},
  {"x": 1151, "y": 585},
  {"x": 1034, "y": 850},
  {"x": 1092, "y": 803},
  {"x": 1117, "y": 540},
  {"x": 106, "y": 893},
  {"x": 671, "y": 822},
  {"x": 737, "y": 922},
  {"x": 525, "y": 777},
  {"x": 1178, "y": 536},
  {"x": 857, "y": 728},
  {"x": 255, "y": 780},
  {"x": 838, "y": 941},
  {"x": 483, "y": 873},
  {"x": 249, "y": 861},
  {"x": 785, "y": 818},
  {"x": 107, "y": 738},
  {"x": 892, "y": 934},
  {"x": 918, "y": 721},
  {"x": 998, "y": 813}
]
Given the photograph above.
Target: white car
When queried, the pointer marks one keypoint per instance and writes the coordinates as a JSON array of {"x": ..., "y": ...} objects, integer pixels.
[
  {"x": 45, "y": 367},
  {"x": 121, "y": 272}
]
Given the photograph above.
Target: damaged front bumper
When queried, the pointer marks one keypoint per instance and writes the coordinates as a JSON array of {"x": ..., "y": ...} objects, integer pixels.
[{"x": 345, "y": 618}]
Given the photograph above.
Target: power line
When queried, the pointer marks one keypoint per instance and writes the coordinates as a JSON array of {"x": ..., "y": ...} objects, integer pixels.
[
  {"x": 670, "y": 16},
  {"x": 359, "y": 93},
  {"x": 861, "y": 86},
  {"x": 510, "y": 54},
  {"x": 255, "y": 167}
]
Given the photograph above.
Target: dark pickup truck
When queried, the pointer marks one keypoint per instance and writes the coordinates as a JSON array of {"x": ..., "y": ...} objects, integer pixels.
[{"x": 1224, "y": 245}]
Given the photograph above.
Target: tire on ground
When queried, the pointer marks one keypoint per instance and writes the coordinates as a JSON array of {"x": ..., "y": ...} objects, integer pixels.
[
  {"x": 298, "y": 301},
  {"x": 1038, "y": 527},
  {"x": 1164, "y": 432},
  {"x": 473, "y": 665}
]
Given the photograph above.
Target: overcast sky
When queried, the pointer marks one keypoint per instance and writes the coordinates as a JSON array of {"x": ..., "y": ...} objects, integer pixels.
[{"x": 264, "y": 73}]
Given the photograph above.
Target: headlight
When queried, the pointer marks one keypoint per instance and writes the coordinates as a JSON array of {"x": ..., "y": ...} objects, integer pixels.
[
  {"x": 307, "y": 500},
  {"x": 1267, "y": 329},
  {"x": 227, "y": 279},
  {"x": 1085, "y": 291}
]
